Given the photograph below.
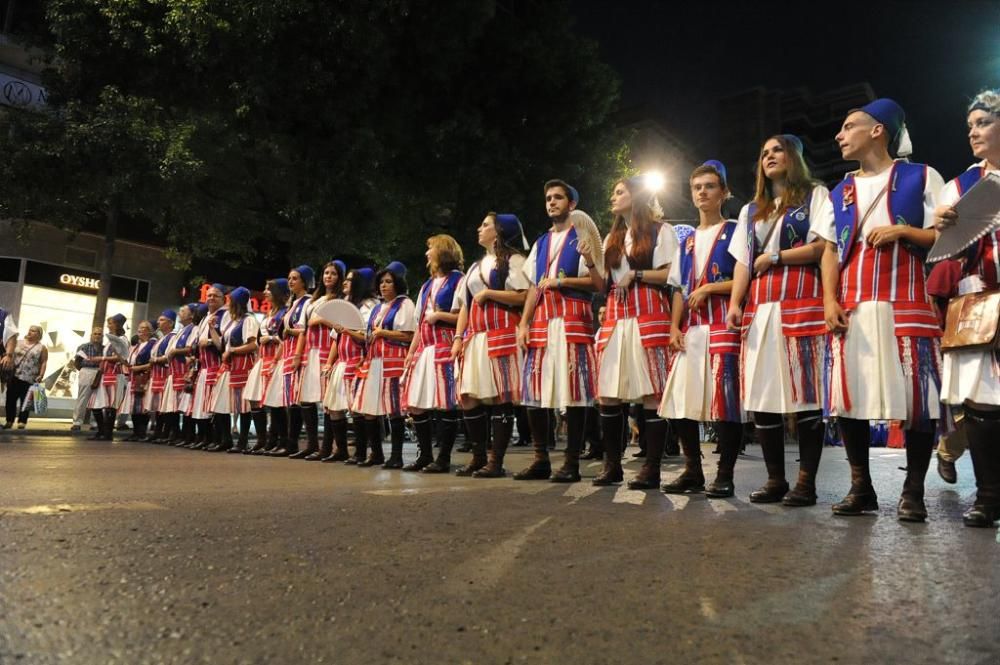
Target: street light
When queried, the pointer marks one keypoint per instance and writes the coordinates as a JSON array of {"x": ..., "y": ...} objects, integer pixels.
[{"x": 655, "y": 181}]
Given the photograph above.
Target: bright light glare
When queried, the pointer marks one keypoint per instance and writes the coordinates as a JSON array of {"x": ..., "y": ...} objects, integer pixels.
[{"x": 655, "y": 181}]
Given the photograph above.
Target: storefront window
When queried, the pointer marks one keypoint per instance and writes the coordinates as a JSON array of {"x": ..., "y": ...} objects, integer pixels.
[{"x": 65, "y": 318}]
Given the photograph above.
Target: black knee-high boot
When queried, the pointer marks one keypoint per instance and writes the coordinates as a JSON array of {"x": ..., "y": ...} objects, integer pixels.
[
  {"x": 613, "y": 435},
  {"x": 730, "y": 441},
  {"x": 109, "y": 424},
  {"x": 541, "y": 467},
  {"x": 857, "y": 439},
  {"x": 503, "y": 430},
  {"x": 294, "y": 429},
  {"x": 99, "y": 421},
  {"x": 326, "y": 443},
  {"x": 448, "y": 425},
  {"x": 222, "y": 424},
  {"x": 190, "y": 433},
  {"x": 174, "y": 434},
  {"x": 310, "y": 418},
  {"x": 140, "y": 425},
  {"x": 919, "y": 448},
  {"x": 692, "y": 480},
  {"x": 475, "y": 431},
  {"x": 360, "y": 440},
  {"x": 244, "y": 437},
  {"x": 770, "y": 428},
  {"x": 811, "y": 431},
  {"x": 396, "y": 430},
  {"x": 983, "y": 429},
  {"x": 259, "y": 417},
  {"x": 338, "y": 434},
  {"x": 576, "y": 431},
  {"x": 278, "y": 434},
  {"x": 655, "y": 432},
  {"x": 423, "y": 426},
  {"x": 373, "y": 433}
]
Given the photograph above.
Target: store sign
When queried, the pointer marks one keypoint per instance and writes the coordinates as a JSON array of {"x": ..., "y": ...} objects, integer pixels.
[
  {"x": 79, "y": 280},
  {"x": 20, "y": 93},
  {"x": 258, "y": 303}
]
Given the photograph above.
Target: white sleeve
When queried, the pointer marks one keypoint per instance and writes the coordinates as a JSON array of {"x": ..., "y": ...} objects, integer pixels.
[
  {"x": 666, "y": 246},
  {"x": 250, "y": 328},
  {"x": 739, "y": 246},
  {"x": 516, "y": 277},
  {"x": 405, "y": 319},
  {"x": 674, "y": 278},
  {"x": 420, "y": 302},
  {"x": 529, "y": 265},
  {"x": 9, "y": 329},
  {"x": 460, "y": 291},
  {"x": 821, "y": 221},
  {"x": 932, "y": 194},
  {"x": 949, "y": 194},
  {"x": 820, "y": 208}
]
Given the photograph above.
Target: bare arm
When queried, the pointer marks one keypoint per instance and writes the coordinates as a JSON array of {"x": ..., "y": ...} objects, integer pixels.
[{"x": 836, "y": 320}]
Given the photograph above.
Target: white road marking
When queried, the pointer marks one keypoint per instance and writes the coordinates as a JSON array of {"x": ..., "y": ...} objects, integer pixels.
[
  {"x": 581, "y": 490},
  {"x": 720, "y": 506},
  {"x": 56, "y": 509},
  {"x": 487, "y": 571},
  {"x": 678, "y": 501}
]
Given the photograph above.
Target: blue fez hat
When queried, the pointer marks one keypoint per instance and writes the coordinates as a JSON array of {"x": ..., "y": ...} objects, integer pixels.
[
  {"x": 241, "y": 295},
  {"x": 307, "y": 275},
  {"x": 365, "y": 274},
  {"x": 721, "y": 168},
  {"x": 192, "y": 307},
  {"x": 169, "y": 314},
  {"x": 119, "y": 319},
  {"x": 396, "y": 268},
  {"x": 341, "y": 266},
  {"x": 574, "y": 195},
  {"x": 220, "y": 288},
  {"x": 202, "y": 310},
  {"x": 891, "y": 115},
  {"x": 280, "y": 284},
  {"x": 794, "y": 141},
  {"x": 509, "y": 227}
]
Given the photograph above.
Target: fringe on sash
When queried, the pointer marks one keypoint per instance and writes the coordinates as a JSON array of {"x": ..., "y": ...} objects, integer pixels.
[
  {"x": 921, "y": 361},
  {"x": 506, "y": 378},
  {"x": 726, "y": 379},
  {"x": 803, "y": 357}
]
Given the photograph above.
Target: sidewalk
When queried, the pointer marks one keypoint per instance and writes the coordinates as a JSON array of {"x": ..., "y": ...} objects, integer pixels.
[{"x": 46, "y": 427}]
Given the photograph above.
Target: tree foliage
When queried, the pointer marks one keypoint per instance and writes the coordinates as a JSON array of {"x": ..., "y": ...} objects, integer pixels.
[{"x": 257, "y": 130}]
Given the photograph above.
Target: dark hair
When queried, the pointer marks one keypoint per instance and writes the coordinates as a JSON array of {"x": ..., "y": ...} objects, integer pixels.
[
  {"x": 399, "y": 282},
  {"x": 236, "y": 309},
  {"x": 708, "y": 169},
  {"x": 321, "y": 289},
  {"x": 502, "y": 251},
  {"x": 641, "y": 256},
  {"x": 799, "y": 182},
  {"x": 276, "y": 296},
  {"x": 361, "y": 289},
  {"x": 556, "y": 182}
]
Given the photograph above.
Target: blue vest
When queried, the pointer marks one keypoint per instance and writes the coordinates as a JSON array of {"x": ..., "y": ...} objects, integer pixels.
[
  {"x": 721, "y": 264},
  {"x": 906, "y": 206},
  {"x": 388, "y": 321},
  {"x": 161, "y": 346},
  {"x": 446, "y": 295},
  {"x": 184, "y": 335},
  {"x": 236, "y": 336},
  {"x": 793, "y": 232},
  {"x": 145, "y": 350},
  {"x": 568, "y": 263}
]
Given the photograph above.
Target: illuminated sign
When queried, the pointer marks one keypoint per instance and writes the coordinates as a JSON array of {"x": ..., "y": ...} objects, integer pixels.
[
  {"x": 80, "y": 280},
  {"x": 258, "y": 303}
]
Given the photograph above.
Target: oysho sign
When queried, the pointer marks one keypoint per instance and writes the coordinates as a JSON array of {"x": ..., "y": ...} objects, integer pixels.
[{"x": 80, "y": 281}]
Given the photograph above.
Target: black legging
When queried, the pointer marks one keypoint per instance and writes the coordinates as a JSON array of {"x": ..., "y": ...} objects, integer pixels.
[{"x": 17, "y": 390}]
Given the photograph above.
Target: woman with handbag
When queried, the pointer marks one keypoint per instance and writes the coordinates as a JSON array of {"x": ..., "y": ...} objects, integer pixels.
[
  {"x": 138, "y": 369},
  {"x": 30, "y": 360},
  {"x": 970, "y": 378},
  {"x": 784, "y": 334}
]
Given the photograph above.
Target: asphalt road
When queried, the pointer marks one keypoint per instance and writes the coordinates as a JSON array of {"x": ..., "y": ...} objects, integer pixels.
[{"x": 135, "y": 553}]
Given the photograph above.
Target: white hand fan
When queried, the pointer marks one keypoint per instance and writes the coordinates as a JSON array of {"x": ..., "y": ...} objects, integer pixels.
[
  {"x": 340, "y": 312},
  {"x": 588, "y": 233},
  {"x": 978, "y": 214}
]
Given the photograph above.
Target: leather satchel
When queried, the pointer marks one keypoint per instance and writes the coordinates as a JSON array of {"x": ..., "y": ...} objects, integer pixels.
[
  {"x": 972, "y": 322},
  {"x": 140, "y": 382}
]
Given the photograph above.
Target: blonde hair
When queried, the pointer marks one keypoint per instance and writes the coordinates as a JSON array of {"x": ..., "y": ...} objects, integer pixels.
[
  {"x": 449, "y": 254},
  {"x": 987, "y": 100}
]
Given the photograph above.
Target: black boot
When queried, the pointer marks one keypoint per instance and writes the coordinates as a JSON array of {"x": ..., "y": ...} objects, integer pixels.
[
  {"x": 503, "y": 429},
  {"x": 174, "y": 435},
  {"x": 189, "y": 432},
  {"x": 244, "y": 438},
  {"x": 447, "y": 432},
  {"x": 259, "y": 417},
  {"x": 541, "y": 467},
  {"x": 730, "y": 442},
  {"x": 360, "y": 440},
  {"x": 337, "y": 431},
  {"x": 109, "y": 424},
  {"x": 310, "y": 418},
  {"x": 648, "y": 477},
  {"x": 157, "y": 433},
  {"x": 222, "y": 425},
  {"x": 983, "y": 430},
  {"x": 861, "y": 499},
  {"x": 396, "y": 430},
  {"x": 811, "y": 431},
  {"x": 770, "y": 429},
  {"x": 140, "y": 425},
  {"x": 596, "y": 447},
  {"x": 576, "y": 428},
  {"x": 278, "y": 433},
  {"x": 475, "y": 432},
  {"x": 291, "y": 421},
  {"x": 373, "y": 432},
  {"x": 692, "y": 480},
  {"x": 423, "y": 425},
  {"x": 613, "y": 430},
  {"x": 99, "y": 421},
  {"x": 919, "y": 448}
]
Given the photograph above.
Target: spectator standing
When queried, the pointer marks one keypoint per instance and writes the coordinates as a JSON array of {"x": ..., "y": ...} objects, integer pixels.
[
  {"x": 87, "y": 364},
  {"x": 30, "y": 360}
]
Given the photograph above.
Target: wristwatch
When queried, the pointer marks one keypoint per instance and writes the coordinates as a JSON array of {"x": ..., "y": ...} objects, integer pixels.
[{"x": 776, "y": 259}]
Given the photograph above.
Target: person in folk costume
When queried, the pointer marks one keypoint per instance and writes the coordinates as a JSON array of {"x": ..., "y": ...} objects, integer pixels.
[
  {"x": 378, "y": 394},
  {"x": 238, "y": 343},
  {"x": 317, "y": 345},
  {"x": 341, "y": 370},
  {"x": 209, "y": 361},
  {"x": 777, "y": 256},
  {"x": 430, "y": 389},
  {"x": 971, "y": 377},
  {"x": 633, "y": 343},
  {"x": 137, "y": 369},
  {"x": 159, "y": 376},
  {"x": 283, "y": 389},
  {"x": 268, "y": 358},
  {"x": 175, "y": 400},
  {"x": 491, "y": 298},
  {"x": 703, "y": 385},
  {"x": 884, "y": 357},
  {"x": 105, "y": 400},
  {"x": 556, "y": 332}
]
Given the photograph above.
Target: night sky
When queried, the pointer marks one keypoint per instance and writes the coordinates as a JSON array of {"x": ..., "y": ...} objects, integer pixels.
[{"x": 679, "y": 59}]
